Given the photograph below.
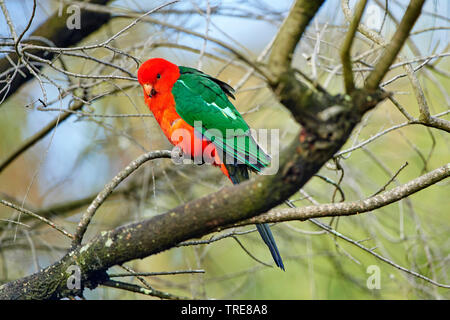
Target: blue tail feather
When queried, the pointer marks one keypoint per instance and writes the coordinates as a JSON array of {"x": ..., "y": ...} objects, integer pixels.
[
  {"x": 266, "y": 235},
  {"x": 239, "y": 173}
]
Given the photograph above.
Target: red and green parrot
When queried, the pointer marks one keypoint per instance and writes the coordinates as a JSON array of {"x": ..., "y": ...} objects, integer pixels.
[{"x": 181, "y": 98}]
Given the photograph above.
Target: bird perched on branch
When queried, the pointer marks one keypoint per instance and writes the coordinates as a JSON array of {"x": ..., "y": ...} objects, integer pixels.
[{"x": 194, "y": 112}]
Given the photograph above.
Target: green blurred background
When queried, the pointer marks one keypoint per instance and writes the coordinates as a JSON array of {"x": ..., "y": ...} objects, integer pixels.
[{"x": 82, "y": 154}]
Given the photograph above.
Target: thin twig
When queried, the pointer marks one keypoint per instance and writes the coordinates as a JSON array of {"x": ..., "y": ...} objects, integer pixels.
[
  {"x": 151, "y": 274},
  {"x": 138, "y": 289},
  {"x": 396, "y": 43},
  {"x": 109, "y": 188},
  {"x": 390, "y": 180},
  {"x": 378, "y": 256},
  {"x": 45, "y": 220}
]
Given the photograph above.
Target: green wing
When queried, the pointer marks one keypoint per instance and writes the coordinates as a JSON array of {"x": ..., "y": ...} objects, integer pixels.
[
  {"x": 202, "y": 102},
  {"x": 223, "y": 85}
]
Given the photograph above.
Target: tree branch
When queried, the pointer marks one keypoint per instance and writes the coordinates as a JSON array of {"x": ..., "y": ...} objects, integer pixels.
[
  {"x": 138, "y": 289},
  {"x": 354, "y": 207},
  {"x": 34, "y": 215},
  {"x": 109, "y": 188},
  {"x": 289, "y": 35},
  {"x": 42, "y": 133},
  {"x": 55, "y": 31},
  {"x": 395, "y": 45},
  {"x": 327, "y": 123},
  {"x": 378, "y": 256},
  {"x": 347, "y": 45}
]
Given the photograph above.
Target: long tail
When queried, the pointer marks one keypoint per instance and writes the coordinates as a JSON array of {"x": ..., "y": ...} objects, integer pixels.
[{"x": 237, "y": 174}]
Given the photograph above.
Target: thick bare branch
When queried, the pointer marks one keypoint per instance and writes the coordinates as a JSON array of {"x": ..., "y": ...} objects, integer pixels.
[
  {"x": 354, "y": 207},
  {"x": 395, "y": 45},
  {"x": 347, "y": 45},
  {"x": 289, "y": 35}
]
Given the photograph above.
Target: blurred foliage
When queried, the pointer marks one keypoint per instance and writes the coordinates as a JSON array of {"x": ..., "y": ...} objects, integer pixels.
[{"x": 84, "y": 153}]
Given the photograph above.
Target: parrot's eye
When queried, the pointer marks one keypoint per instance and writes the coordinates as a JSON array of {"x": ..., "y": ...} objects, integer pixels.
[{"x": 158, "y": 76}]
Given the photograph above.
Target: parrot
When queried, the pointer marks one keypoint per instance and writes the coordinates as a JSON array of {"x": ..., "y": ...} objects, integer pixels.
[{"x": 195, "y": 113}]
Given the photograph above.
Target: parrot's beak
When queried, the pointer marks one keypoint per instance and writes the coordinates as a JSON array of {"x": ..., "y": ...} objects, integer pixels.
[{"x": 148, "y": 89}]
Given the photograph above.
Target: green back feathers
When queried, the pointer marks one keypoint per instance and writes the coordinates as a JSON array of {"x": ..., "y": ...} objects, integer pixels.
[
  {"x": 202, "y": 98},
  {"x": 226, "y": 88}
]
